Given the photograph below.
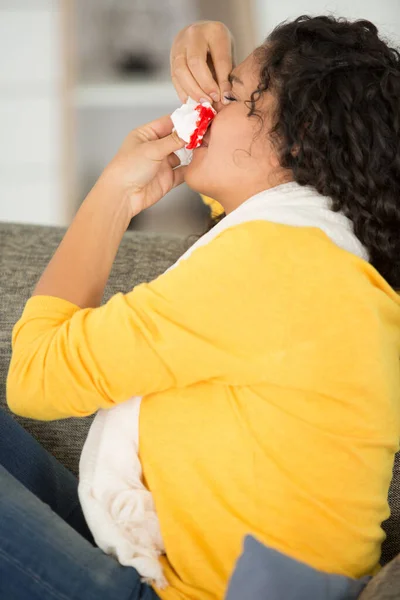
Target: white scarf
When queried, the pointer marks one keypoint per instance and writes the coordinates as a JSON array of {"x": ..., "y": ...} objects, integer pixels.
[{"x": 118, "y": 508}]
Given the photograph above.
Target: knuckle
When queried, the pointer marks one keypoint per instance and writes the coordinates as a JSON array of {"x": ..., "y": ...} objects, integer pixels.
[
  {"x": 219, "y": 27},
  {"x": 180, "y": 38},
  {"x": 191, "y": 30},
  {"x": 177, "y": 60}
]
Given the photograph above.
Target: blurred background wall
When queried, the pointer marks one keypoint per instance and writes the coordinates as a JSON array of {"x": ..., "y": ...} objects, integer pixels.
[{"x": 77, "y": 75}]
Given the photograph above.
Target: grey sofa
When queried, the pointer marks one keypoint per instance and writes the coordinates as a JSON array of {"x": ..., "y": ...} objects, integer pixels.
[{"x": 24, "y": 253}]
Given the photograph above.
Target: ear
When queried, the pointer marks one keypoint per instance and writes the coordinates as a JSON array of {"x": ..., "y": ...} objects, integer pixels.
[{"x": 274, "y": 160}]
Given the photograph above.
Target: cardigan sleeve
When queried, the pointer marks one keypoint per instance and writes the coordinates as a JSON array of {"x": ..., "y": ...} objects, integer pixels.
[{"x": 189, "y": 325}]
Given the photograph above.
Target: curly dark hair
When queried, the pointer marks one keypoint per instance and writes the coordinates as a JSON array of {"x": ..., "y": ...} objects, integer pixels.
[{"x": 337, "y": 122}]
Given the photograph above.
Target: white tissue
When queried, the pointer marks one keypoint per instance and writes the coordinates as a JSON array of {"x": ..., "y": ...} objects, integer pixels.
[
  {"x": 184, "y": 155},
  {"x": 185, "y": 120}
]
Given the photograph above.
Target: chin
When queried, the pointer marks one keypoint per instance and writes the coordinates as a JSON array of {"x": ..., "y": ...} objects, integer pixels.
[
  {"x": 196, "y": 180},
  {"x": 199, "y": 178},
  {"x": 201, "y": 189}
]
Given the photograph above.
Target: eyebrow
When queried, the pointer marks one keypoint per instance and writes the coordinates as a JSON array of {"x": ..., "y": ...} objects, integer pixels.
[{"x": 233, "y": 79}]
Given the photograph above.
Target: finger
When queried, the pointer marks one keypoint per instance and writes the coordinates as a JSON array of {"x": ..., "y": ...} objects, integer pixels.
[
  {"x": 160, "y": 149},
  {"x": 191, "y": 42},
  {"x": 173, "y": 161},
  {"x": 222, "y": 57},
  {"x": 199, "y": 68},
  {"x": 155, "y": 130},
  {"x": 179, "y": 176},
  {"x": 182, "y": 73},
  {"x": 180, "y": 91}
]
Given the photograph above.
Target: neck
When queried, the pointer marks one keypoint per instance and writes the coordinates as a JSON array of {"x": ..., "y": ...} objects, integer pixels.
[{"x": 231, "y": 202}]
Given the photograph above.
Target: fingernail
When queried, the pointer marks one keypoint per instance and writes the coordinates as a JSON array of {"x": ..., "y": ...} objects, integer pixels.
[
  {"x": 215, "y": 97},
  {"x": 204, "y": 100}
]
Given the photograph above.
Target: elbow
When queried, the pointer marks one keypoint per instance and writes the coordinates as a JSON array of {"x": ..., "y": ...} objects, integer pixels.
[
  {"x": 26, "y": 389},
  {"x": 24, "y": 386},
  {"x": 22, "y": 393},
  {"x": 13, "y": 395},
  {"x": 39, "y": 384}
]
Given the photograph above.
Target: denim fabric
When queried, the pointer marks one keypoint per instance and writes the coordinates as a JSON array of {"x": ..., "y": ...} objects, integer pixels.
[{"x": 46, "y": 549}]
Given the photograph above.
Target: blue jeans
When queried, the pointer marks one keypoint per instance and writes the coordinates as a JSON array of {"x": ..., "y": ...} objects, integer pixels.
[{"x": 46, "y": 549}]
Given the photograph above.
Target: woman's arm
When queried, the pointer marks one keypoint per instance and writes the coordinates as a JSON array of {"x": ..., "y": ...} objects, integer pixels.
[
  {"x": 139, "y": 175},
  {"x": 79, "y": 270},
  {"x": 170, "y": 333}
]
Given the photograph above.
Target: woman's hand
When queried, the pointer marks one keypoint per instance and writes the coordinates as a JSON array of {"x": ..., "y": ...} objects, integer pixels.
[
  {"x": 140, "y": 174},
  {"x": 143, "y": 170},
  {"x": 201, "y": 60}
]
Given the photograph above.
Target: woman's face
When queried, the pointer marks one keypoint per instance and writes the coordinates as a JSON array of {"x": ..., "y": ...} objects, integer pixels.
[{"x": 237, "y": 163}]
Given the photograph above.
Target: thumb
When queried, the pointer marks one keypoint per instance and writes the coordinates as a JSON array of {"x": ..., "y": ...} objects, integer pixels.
[{"x": 159, "y": 149}]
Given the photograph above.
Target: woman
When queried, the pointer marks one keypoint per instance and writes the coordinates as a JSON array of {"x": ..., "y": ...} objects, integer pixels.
[{"x": 269, "y": 359}]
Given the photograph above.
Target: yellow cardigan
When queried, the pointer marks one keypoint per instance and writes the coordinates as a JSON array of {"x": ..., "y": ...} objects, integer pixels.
[
  {"x": 269, "y": 362},
  {"x": 216, "y": 208}
]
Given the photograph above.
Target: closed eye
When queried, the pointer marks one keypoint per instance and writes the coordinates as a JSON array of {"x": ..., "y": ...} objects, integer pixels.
[{"x": 231, "y": 98}]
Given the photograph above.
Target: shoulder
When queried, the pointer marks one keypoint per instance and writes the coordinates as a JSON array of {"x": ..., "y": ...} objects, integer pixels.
[
  {"x": 271, "y": 243},
  {"x": 273, "y": 256},
  {"x": 290, "y": 257}
]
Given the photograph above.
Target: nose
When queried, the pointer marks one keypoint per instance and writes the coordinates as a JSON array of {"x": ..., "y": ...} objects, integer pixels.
[{"x": 218, "y": 106}]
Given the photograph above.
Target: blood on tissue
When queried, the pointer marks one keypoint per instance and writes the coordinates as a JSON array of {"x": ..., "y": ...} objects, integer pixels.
[{"x": 206, "y": 115}]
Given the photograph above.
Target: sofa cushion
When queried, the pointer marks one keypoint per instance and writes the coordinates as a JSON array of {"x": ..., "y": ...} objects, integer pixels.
[{"x": 263, "y": 573}]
